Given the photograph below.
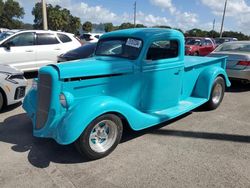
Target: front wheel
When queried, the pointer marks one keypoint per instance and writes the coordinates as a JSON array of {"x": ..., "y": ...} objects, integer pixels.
[
  {"x": 1, "y": 101},
  {"x": 217, "y": 93},
  {"x": 100, "y": 137}
]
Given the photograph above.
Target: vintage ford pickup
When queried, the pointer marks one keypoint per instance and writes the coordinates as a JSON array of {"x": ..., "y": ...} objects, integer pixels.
[{"x": 137, "y": 78}]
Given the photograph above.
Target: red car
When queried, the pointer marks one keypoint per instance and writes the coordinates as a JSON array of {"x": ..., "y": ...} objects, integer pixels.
[{"x": 199, "y": 46}]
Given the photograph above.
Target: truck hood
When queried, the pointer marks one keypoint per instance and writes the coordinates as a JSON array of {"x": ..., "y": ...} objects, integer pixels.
[{"x": 94, "y": 66}]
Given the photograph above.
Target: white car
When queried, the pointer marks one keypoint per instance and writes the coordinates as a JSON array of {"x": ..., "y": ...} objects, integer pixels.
[
  {"x": 90, "y": 37},
  {"x": 12, "y": 86},
  {"x": 31, "y": 49}
]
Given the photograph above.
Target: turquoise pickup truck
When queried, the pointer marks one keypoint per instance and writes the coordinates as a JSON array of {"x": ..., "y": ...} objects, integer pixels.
[{"x": 137, "y": 78}]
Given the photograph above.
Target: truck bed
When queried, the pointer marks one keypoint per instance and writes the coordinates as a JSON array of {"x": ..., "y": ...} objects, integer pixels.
[{"x": 191, "y": 61}]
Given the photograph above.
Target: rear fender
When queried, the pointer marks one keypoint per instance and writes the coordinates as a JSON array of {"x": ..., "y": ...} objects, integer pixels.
[
  {"x": 206, "y": 79},
  {"x": 79, "y": 117}
]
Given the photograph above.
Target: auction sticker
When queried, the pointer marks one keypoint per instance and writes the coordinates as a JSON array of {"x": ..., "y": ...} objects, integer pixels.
[{"x": 134, "y": 43}]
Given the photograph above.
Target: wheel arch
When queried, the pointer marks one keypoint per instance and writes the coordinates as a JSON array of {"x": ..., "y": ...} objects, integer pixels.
[{"x": 206, "y": 79}]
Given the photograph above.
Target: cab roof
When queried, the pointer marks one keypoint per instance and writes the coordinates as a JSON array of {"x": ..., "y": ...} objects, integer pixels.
[{"x": 143, "y": 33}]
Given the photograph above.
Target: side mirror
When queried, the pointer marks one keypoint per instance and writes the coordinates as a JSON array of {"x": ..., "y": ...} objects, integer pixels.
[{"x": 6, "y": 45}]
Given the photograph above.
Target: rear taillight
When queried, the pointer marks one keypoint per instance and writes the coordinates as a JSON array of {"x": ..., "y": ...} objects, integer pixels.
[{"x": 244, "y": 63}]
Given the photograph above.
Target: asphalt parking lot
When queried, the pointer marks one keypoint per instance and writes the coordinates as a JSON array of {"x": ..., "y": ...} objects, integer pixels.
[{"x": 199, "y": 149}]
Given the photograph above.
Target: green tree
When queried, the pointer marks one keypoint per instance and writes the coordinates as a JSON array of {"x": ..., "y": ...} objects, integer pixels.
[
  {"x": 162, "y": 26},
  {"x": 140, "y": 26},
  {"x": 58, "y": 18},
  {"x": 10, "y": 13},
  {"x": 108, "y": 27},
  {"x": 87, "y": 26},
  {"x": 126, "y": 25}
]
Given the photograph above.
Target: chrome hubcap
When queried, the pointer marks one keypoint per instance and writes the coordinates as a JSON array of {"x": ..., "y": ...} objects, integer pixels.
[
  {"x": 217, "y": 93},
  {"x": 103, "y": 136}
]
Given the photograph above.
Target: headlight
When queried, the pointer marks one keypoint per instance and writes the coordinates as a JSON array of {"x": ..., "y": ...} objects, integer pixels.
[
  {"x": 63, "y": 100},
  {"x": 11, "y": 78},
  {"x": 66, "y": 99}
]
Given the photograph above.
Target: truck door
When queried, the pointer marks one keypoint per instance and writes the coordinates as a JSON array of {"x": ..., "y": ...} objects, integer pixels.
[{"x": 162, "y": 73}]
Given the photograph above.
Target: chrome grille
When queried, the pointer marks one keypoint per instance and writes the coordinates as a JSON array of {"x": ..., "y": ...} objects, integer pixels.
[{"x": 43, "y": 102}]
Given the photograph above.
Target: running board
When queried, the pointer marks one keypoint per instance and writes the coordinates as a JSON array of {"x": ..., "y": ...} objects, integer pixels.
[{"x": 183, "y": 107}]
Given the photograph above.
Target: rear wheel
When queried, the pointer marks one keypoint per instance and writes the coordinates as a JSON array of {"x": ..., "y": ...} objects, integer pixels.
[
  {"x": 101, "y": 137},
  {"x": 217, "y": 93}
]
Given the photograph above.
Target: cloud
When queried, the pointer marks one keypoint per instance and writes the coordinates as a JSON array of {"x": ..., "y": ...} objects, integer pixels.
[
  {"x": 234, "y": 7},
  {"x": 164, "y": 4},
  {"x": 238, "y": 11},
  {"x": 94, "y": 14},
  {"x": 183, "y": 20}
]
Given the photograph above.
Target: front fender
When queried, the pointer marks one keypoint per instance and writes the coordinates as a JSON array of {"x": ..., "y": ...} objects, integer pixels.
[
  {"x": 206, "y": 79},
  {"x": 78, "y": 118}
]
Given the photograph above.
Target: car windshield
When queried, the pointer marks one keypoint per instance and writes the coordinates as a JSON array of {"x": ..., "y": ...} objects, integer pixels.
[
  {"x": 4, "y": 35},
  {"x": 236, "y": 47},
  {"x": 83, "y": 51},
  {"x": 119, "y": 47},
  {"x": 193, "y": 42}
]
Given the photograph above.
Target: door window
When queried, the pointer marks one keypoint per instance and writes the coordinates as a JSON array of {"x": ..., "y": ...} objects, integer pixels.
[
  {"x": 163, "y": 50},
  {"x": 63, "y": 38},
  {"x": 46, "y": 39},
  {"x": 208, "y": 43},
  {"x": 23, "y": 39}
]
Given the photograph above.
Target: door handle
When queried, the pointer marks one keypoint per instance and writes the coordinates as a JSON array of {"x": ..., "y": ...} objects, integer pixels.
[
  {"x": 178, "y": 72},
  {"x": 29, "y": 51},
  {"x": 57, "y": 49}
]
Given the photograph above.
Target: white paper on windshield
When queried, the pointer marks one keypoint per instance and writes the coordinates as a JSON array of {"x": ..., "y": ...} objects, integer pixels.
[{"x": 133, "y": 43}]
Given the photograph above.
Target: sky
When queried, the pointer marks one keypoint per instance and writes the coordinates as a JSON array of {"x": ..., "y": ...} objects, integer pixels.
[{"x": 183, "y": 14}]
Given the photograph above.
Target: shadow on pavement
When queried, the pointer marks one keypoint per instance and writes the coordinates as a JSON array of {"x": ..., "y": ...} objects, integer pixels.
[
  {"x": 11, "y": 107},
  {"x": 203, "y": 135},
  {"x": 17, "y": 130},
  {"x": 129, "y": 134},
  {"x": 238, "y": 86}
]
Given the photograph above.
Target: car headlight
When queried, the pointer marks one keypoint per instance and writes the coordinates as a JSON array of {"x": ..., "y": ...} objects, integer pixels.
[
  {"x": 11, "y": 78},
  {"x": 66, "y": 99}
]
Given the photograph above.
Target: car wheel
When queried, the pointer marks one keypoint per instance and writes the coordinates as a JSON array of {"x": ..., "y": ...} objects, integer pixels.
[
  {"x": 1, "y": 101},
  {"x": 100, "y": 137},
  {"x": 217, "y": 93},
  {"x": 196, "y": 53}
]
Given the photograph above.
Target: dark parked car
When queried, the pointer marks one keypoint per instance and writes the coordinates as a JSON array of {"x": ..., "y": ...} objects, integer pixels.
[
  {"x": 221, "y": 40},
  {"x": 84, "y": 51}
]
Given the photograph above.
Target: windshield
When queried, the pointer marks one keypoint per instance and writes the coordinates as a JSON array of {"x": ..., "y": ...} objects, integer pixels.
[
  {"x": 119, "y": 47},
  {"x": 4, "y": 35},
  {"x": 236, "y": 47},
  {"x": 193, "y": 42}
]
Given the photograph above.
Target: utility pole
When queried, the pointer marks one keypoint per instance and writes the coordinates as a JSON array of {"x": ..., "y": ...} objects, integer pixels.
[
  {"x": 213, "y": 28},
  {"x": 135, "y": 14},
  {"x": 222, "y": 22},
  {"x": 213, "y": 24},
  {"x": 45, "y": 23}
]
